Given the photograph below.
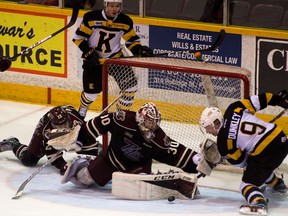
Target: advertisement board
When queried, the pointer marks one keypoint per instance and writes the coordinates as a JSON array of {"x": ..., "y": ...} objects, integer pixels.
[
  {"x": 20, "y": 30},
  {"x": 271, "y": 65},
  {"x": 173, "y": 40},
  {"x": 166, "y": 39}
]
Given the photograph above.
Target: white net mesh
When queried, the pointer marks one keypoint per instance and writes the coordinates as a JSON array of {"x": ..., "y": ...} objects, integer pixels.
[{"x": 181, "y": 89}]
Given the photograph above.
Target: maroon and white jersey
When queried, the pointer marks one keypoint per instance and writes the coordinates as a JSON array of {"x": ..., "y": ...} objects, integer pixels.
[
  {"x": 128, "y": 149},
  {"x": 38, "y": 146}
]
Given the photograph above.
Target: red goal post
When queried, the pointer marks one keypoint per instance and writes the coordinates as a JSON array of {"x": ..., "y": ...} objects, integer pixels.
[{"x": 181, "y": 89}]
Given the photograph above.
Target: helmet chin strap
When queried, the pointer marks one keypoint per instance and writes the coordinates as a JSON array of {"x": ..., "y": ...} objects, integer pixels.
[{"x": 220, "y": 125}]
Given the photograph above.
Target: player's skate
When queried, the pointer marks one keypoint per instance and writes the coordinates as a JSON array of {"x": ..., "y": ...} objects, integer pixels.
[
  {"x": 8, "y": 144},
  {"x": 280, "y": 187},
  {"x": 259, "y": 208},
  {"x": 83, "y": 111},
  {"x": 72, "y": 171}
]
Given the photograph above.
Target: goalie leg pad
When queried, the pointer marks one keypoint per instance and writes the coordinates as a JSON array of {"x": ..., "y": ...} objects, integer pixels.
[
  {"x": 153, "y": 186},
  {"x": 187, "y": 185}
]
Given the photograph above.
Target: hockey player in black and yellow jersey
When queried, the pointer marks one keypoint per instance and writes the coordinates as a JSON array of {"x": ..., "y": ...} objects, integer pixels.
[
  {"x": 99, "y": 38},
  {"x": 248, "y": 142}
]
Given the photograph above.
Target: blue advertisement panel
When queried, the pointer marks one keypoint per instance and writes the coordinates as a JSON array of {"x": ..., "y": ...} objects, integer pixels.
[
  {"x": 165, "y": 39},
  {"x": 171, "y": 40},
  {"x": 185, "y": 82}
]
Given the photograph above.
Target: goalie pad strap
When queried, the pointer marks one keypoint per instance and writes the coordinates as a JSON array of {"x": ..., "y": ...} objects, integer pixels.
[{"x": 154, "y": 186}]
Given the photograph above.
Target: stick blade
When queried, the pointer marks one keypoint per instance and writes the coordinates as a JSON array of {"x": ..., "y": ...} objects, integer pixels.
[
  {"x": 18, "y": 194},
  {"x": 20, "y": 189}
]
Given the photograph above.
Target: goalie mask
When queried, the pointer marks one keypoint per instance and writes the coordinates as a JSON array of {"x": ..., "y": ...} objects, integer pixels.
[
  {"x": 105, "y": 4},
  {"x": 59, "y": 117},
  {"x": 148, "y": 118},
  {"x": 208, "y": 118}
]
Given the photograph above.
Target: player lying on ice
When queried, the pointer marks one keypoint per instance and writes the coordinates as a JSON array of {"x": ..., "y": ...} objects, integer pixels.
[
  {"x": 257, "y": 146},
  {"x": 56, "y": 122},
  {"x": 137, "y": 139}
]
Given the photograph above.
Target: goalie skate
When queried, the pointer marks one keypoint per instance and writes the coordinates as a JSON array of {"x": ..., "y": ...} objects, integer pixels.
[{"x": 254, "y": 209}]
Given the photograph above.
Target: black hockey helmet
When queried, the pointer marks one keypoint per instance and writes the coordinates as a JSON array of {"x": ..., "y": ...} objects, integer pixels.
[{"x": 59, "y": 117}]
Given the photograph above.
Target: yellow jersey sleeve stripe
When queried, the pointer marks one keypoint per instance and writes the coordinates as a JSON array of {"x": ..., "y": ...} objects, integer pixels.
[
  {"x": 236, "y": 155},
  {"x": 85, "y": 29},
  {"x": 248, "y": 105},
  {"x": 268, "y": 97}
]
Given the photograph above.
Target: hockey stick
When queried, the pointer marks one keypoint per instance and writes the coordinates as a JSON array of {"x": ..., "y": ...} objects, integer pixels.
[
  {"x": 22, "y": 186},
  {"x": 6, "y": 62},
  {"x": 279, "y": 115},
  {"x": 213, "y": 47},
  {"x": 112, "y": 103}
]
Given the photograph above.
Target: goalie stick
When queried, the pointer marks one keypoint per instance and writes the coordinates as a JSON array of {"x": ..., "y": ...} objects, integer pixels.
[
  {"x": 23, "y": 185},
  {"x": 5, "y": 62},
  {"x": 213, "y": 47}
]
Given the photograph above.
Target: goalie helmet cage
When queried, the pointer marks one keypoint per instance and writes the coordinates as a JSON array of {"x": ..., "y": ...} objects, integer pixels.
[{"x": 181, "y": 89}]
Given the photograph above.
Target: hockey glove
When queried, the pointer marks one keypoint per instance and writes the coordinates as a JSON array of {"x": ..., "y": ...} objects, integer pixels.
[
  {"x": 205, "y": 167},
  {"x": 91, "y": 58},
  {"x": 145, "y": 52},
  {"x": 210, "y": 151},
  {"x": 5, "y": 63},
  {"x": 67, "y": 141},
  {"x": 283, "y": 99},
  {"x": 210, "y": 157}
]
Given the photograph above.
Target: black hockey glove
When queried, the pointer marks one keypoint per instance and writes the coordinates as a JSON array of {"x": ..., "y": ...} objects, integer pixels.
[
  {"x": 145, "y": 52},
  {"x": 283, "y": 99},
  {"x": 91, "y": 58},
  {"x": 5, "y": 63}
]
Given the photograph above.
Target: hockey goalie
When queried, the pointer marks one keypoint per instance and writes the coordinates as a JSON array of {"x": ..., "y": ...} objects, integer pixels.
[{"x": 136, "y": 140}]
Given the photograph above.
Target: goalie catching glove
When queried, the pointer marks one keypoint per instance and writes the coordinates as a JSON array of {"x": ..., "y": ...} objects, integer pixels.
[
  {"x": 65, "y": 139},
  {"x": 5, "y": 63},
  {"x": 210, "y": 157}
]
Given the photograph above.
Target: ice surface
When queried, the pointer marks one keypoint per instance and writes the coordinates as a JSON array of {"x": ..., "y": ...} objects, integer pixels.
[{"x": 44, "y": 195}]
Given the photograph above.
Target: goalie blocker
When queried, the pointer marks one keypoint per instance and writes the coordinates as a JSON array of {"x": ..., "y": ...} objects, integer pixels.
[
  {"x": 210, "y": 157},
  {"x": 154, "y": 186}
]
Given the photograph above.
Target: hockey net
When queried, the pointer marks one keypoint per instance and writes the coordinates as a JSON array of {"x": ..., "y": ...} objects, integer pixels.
[{"x": 181, "y": 89}]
